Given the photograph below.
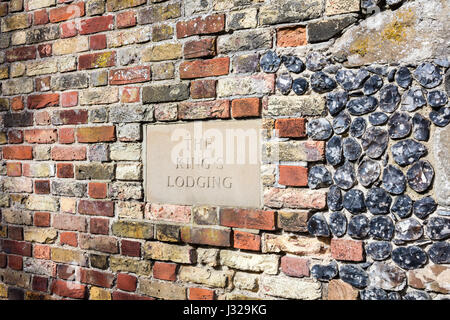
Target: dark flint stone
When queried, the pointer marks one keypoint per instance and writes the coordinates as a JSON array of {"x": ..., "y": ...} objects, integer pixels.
[
  {"x": 379, "y": 70},
  {"x": 354, "y": 201},
  {"x": 428, "y": 75},
  {"x": 300, "y": 86},
  {"x": 351, "y": 80},
  {"x": 333, "y": 150},
  {"x": 442, "y": 62},
  {"x": 438, "y": 228},
  {"x": 342, "y": 122},
  {"x": 354, "y": 276},
  {"x": 378, "y": 201},
  {"x": 284, "y": 83},
  {"x": 270, "y": 62},
  {"x": 409, "y": 258},
  {"x": 413, "y": 99},
  {"x": 437, "y": 99},
  {"x": 325, "y": 272},
  {"x": 399, "y": 125},
  {"x": 379, "y": 250},
  {"x": 403, "y": 77},
  {"x": 421, "y": 127},
  {"x": 402, "y": 206},
  {"x": 441, "y": 118},
  {"x": 315, "y": 61},
  {"x": 318, "y": 226},
  {"x": 373, "y": 294},
  {"x": 447, "y": 82},
  {"x": 417, "y": 295},
  {"x": 319, "y": 177},
  {"x": 361, "y": 106},
  {"x": 345, "y": 177},
  {"x": 424, "y": 207},
  {"x": 338, "y": 224},
  {"x": 358, "y": 227},
  {"x": 408, "y": 230},
  {"x": 334, "y": 198},
  {"x": 319, "y": 129},
  {"x": 378, "y": 118},
  {"x": 394, "y": 296},
  {"x": 391, "y": 75},
  {"x": 293, "y": 64},
  {"x": 394, "y": 180},
  {"x": 374, "y": 142},
  {"x": 408, "y": 151},
  {"x": 358, "y": 127},
  {"x": 372, "y": 85},
  {"x": 368, "y": 172},
  {"x": 352, "y": 149},
  {"x": 381, "y": 228},
  {"x": 439, "y": 252},
  {"x": 420, "y": 176},
  {"x": 321, "y": 82},
  {"x": 336, "y": 101},
  {"x": 389, "y": 98}
]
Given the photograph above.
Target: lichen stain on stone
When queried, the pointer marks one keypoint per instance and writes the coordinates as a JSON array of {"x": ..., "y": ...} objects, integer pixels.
[{"x": 102, "y": 60}]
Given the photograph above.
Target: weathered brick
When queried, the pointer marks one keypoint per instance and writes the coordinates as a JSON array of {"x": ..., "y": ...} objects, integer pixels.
[
  {"x": 97, "y": 60},
  {"x": 101, "y": 279},
  {"x": 15, "y": 233},
  {"x": 42, "y": 187},
  {"x": 68, "y": 289},
  {"x": 17, "y": 279},
  {"x": 15, "y": 136},
  {"x": 97, "y": 190},
  {"x": 97, "y": 208},
  {"x": 69, "y": 238},
  {"x": 129, "y": 75},
  {"x": 73, "y": 257},
  {"x": 15, "y": 262},
  {"x": 21, "y": 54},
  {"x": 96, "y": 134},
  {"x": 246, "y": 241},
  {"x": 205, "y": 276},
  {"x": 99, "y": 243},
  {"x": 310, "y": 151},
  {"x": 60, "y": 117},
  {"x": 64, "y": 170},
  {"x": 205, "y": 215},
  {"x": 126, "y": 19},
  {"x": 99, "y": 96},
  {"x": 96, "y": 24},
  {"x": 246, "y": 85},
  {"x": 14, "y": 169},
  {"x": 204, "y": 68},
  {"x": 267, "y": 263},
  {"x": 66, "y": 12},
  {"x": 295, "y": 106},
  {"x": 126, "y": 282},
  {"x": 70, "y": 81},
  {"x": 130, "y": 95},
  {"x": 70, "y": 46},
  {"x": 41, "y": 136},
  {"x": 18, "y": 152},
  {"x": 99, "y": 226},
  {"x": 42, "y": 252},
  {"x": 130, "y": 248},
  {"x": 333, "y": 7},
  {"x": 291, "y": 288},
  {"x": 295, "y": 221},
  {"x": 41, "y": 34},
  {"x": 209, "y": 236},
  {"x": 17, "y": 184},
  {"x": 40, "y": 235},
  {"x": 69, "y": 188},
  {"x": 39, "y": 283},
  {"x": 42, "y": 219},
  {"x": 162, "y": 32},
  {"x": 325, "y": 30},
  {"x": 131, "y": 229},
  {"x": 295, "y": 267},
  {"x": 123, "y": 264},
  {"x": 203, "y": 89},
  {"x": 245, "y": 41},
  {"x": 17, "y": 86},
  {"x": 41, "y": 203},
  {"x": 291, "y": 128},
  {"x": 298, "y": 245},
  {"x": 16, "y": 247},
  {"x": 247, "y": 218},
  {"x": 247, "y": 107},
  {"x": 291, "y": 36},
  {"x": 165, "y": 271},
  {"x": 201, "y": 26},
  {"x": 161, "y": 52},
  {"x": 116, "y": 5},
  {"x": 15, "y": 22},
  {"x": 165, "y": 93},
  {"x": 200, "y": 294},
  {"x": 117, "y": 295},
  {"x": 43, "y": 100},
  {"x": 96, "y": 293},
  {"x": 296, "y": 176},
  {"x": 16, "y": 217},
  {"x": 131, "y": 210},
  {"x": 162, "y": 290},
  {"x": 169, "y": 252},
  {"x": 218, "y": 109},
  {"x": 159, "y": 12},
  {"x": 40, "y": 17},
  {"x": 287, "y": 11},
  {"x": 347, "y": 250}
]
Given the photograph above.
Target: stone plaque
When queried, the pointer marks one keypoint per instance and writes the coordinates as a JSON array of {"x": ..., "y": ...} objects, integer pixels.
[{"x": 204, "y": 163}]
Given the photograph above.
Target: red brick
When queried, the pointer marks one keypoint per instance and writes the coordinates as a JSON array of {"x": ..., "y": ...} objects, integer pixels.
[
  {"x": 117, "y": 295},
  {"x": 67, "y": 12},
  {"x": 96, "y": 134},
  {"x": 165, "y": 271},
  {"x": 14, "y": 169},
  {"x": 99, "y": 226},
  {"x": 3, "y": 260},
  {"x": 41, "y": 219},
  {"x": 214, "y": 109},
  {"x": 97, "y": 190},
  {"x": 295, "y": 176},
  {"x": 64, "y": 170},
  {"x": 69, "y": 222},
  {"x": 347, "y": 250},
  {"x": 247, "y": 107},
  {"x": 97, "y": 42},
  {"x": 42, "y": 118},
  {"x": 39, "y": 284},
  {"x": 201, "y": 294},
  {"x": 21, "y": 54},
  {"x": 40, "y": 17},
  {"x": 73, "y": 116},
  {"x": 200, "y": 48},
  {"x": 15, "y": 262},
  {"x": 17, "y": 104},
  {"x": 291, "y": 37},
  {"x": 97, "y": 24},
  {"x": 291, "y": 128},
  {"x": 17, "y": 247},
  {"x": 130, "y": 95},
  {"x": 41, "y": 136},
  {"x": 246, "y": 241},
  {"x": 201, "y": 89},
  {"x": 15, "y": 136},
  {"x": 68, "y": 29},
  {"x": 204, "y": 68},
  {"x": 18, "y": 152},
  {"x": 126, "y": 19},
  {"x": 210, "y": 24},
  {"x": 69, "y": 99},
  {"x": 43, "y": 84},
  {"x": 206, "y": 236},
  {"x": 45, "y": 50},
  {"x": 67, "y": 272},
  {"x": 96, "y": 208},
  {"x": 43, "y": 100},
  {"x": 97, "y": 278},
  {"x": 69, "y": 238},
  {"x": 66, "y": 153},
  {"x": 41, "y": 252},
  {"x": 15, "y": 233},
  {"x": 295, "y": 267},
  {"x": 42, "y": 186},
  {"x": 97, "y": 60},
  {"x": 129, "y": 75},
  {"x": 130, "y": 248},
  {"x": 247, "y": 218},
  {"x": 68, "y": 289},
  {"x": 126, "y": 282},
  {"x": 66, "y": 135}
]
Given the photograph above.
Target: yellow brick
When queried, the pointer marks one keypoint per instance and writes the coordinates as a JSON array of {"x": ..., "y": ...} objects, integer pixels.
[
  {"x": 99, "y": 294},
  {"x": 17, "y": 69},
  {"x": 4, "y": 74},
  {"x": 71, "y": 45},
  {"x": 68, "y": 204},
  {"x": 40, "y": 235},
  {"x": 68, "y": 256},
  {"x": 15, "y": 22},
  {"x": 3, "y": 291},
  {"x": 169, "y": 51}
]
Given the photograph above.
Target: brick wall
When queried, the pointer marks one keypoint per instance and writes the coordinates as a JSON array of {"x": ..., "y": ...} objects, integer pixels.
[{"x": 80, "y": 79}]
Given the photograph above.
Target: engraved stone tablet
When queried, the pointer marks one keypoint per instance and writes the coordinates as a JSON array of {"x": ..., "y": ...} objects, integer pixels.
[{"x": 204, "y": 163}]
